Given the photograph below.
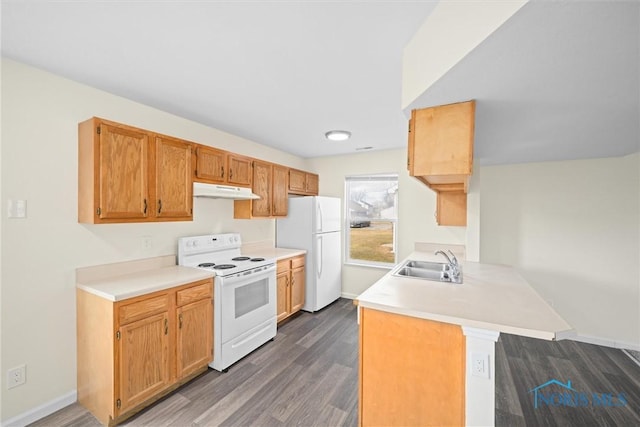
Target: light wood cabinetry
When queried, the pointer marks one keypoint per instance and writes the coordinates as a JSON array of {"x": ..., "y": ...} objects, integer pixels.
[
  {"x": 440, "y": 154},
  {"x": 303, "y": 183},
  {"x": 279, "y": 193},
  {"x": 172, "y": 178},
  {"x": 126, "y": 174},
  {"x": 142, "y": 339},
  {"x": 134, "y": 351},
  {"x": 291, "y": 286},
  {"x": 195, "y": 339},
  {"x": 210, "y": 165},
  {"x": 270, "y": 182},
  {"x": 412, "y": 371},
  {"x": 221, "y": 167},
  {"x": 239, "y": 170}
]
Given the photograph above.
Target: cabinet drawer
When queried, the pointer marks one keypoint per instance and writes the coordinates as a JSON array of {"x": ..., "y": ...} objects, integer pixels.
[
  {"x": 194, "y": 293},
  {"x": 284, "y": 265},
  {"x": 297, "y": 261},
  {"x": 139, "y": 310}
]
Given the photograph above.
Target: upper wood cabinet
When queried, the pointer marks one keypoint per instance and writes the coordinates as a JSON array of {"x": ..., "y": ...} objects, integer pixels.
[
  {"x": 221, "y": 167},
  {"x": 210, "y": 165},
  {"x": 279, "y": 193},
  {"x": 174, "y": 188},
  {"x": 126, "y": 174},
  {"x": 303, "y": 183},
  {"x": 440, "y": 154},
  {"x": 270, "y": 182},
  {"x": 113, "y": 162},
  {"x": 239, "y": 170}
]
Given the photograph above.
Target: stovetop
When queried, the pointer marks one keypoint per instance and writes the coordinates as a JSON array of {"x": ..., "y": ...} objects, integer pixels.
[{"x": 219, "y": 253}]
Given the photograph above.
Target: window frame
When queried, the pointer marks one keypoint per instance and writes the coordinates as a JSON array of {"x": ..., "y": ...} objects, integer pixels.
[{"x": 347, "y": 220}]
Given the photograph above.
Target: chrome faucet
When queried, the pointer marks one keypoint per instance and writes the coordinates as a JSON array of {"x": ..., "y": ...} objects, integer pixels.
[{"x": 455, "y": 271}]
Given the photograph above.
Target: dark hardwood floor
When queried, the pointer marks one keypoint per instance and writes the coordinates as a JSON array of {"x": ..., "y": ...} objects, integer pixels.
[
  {"x": 605, "y": 384},
  {"x": 308, "y": 377}
]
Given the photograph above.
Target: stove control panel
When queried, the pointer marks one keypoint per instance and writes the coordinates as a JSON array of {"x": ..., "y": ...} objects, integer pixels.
[{"x": 209, "y": 243}]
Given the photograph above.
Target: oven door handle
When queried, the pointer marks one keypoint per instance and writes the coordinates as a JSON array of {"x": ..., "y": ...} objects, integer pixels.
[{"x": 235, "y": 278}]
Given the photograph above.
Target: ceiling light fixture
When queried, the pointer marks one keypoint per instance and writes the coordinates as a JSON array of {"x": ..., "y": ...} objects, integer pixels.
[{"x": 338, "y": 135}]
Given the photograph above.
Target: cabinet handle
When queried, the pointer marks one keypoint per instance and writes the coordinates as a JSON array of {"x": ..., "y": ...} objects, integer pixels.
[
  {"x": 166, "y": 326},
  {"x": 230, "y": 173},
  {"x": 159, "y": 206},
  {"x": 180, "y": 320},
  {"x": 145, "y": 207},
  {"x": 222, "y": 173},
  {"x": 286, "y": 279}
]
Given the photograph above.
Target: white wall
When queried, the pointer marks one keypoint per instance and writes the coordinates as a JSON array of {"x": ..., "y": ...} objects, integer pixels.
[
  {"x": 572, "y": 229},
  {"x": 40, "y": 113},
  {"x": 452, "y": 30},
  {"x": 416, "y": 207}
]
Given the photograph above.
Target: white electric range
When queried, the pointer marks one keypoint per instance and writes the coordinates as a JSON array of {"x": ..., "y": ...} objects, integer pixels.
[{"x": 244, "y": 300}]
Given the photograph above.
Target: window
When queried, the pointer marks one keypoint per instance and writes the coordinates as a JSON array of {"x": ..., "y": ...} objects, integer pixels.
[{"x": 371, "y": 219}]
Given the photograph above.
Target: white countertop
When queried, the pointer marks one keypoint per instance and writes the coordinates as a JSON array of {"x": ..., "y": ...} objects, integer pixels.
[
  {"x": 120, "y": 287},
  {"x": 492, "y": 297},
  {"x": 130, "y": 279},
  {"x": 271, "y": 252}
]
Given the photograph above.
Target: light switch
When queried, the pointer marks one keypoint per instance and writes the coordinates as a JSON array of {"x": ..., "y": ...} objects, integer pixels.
[{"x": 17, "y": 208}]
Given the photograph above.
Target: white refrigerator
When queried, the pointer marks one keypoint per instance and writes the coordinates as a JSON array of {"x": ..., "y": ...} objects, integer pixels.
[{"x": 313, "y": 224}]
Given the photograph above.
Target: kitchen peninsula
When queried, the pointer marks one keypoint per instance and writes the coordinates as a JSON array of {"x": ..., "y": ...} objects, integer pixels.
[{"x": 427, "y": 348}]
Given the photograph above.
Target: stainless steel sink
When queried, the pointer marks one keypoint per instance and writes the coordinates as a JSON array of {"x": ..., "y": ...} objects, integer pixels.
[
  {"x": 435, "y": 271},
  {"x": 438, "y": 266}
]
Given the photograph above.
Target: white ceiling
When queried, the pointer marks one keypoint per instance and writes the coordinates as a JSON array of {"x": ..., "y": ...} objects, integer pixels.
[{"x": 559, "y": 80}]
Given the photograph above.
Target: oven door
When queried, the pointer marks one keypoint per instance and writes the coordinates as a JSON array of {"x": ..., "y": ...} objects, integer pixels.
[{"x": 247, "y": 300}]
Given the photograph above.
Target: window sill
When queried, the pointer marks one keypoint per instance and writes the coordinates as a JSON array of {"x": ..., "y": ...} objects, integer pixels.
[{"x": 366, "y": 264}]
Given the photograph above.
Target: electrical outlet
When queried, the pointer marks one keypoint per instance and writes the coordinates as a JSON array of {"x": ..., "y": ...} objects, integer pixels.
[
  {"x": 16, "y": 376},
  {"x": 480, "y": 365},
  {"x": 147, "y": 243}
]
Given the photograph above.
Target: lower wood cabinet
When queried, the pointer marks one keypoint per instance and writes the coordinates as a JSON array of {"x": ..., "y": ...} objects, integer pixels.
[
  {"x": 412, "y": 371},
  {"x": 134, "y": 351},
  {"x": 291, "y": 285}
]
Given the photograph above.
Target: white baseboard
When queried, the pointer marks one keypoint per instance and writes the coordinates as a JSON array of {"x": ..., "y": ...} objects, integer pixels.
[
  {"x": 605, "y": 342},
  {"x": 42, "y": 411},
  {"x": 349, "y": 296}
]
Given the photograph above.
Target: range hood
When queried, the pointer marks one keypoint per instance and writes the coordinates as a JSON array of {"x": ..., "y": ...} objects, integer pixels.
[{"x": 217, "y": 191}]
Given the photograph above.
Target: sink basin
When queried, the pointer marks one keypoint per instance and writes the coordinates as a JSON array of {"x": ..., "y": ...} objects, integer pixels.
[
  {"x": 435, "y": 271},
  {"x": 423, "y": 273},
  {"x": 437, "y": 266}
]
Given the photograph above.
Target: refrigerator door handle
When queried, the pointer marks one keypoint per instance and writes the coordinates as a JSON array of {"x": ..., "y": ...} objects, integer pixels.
[
  {"x": 319, "y": 225},
  {"x": 319, "y": 254}
]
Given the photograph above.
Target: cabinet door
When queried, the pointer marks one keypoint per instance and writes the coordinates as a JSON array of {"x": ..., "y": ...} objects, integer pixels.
[
  {"x": 142, "y": 360},
  {"x": 282, "y": 281},
  {"x": 262, "y": 176},
  {"x": 312, "y": 184},
  {"x": 239, "y": 170},
  {"x": 297, "y": 181},
  {"x": 279, "y": 191},
  {"x": 211, "y": 164},
  {"x": 174, "y": 188},
  {"x": 123, "y": 172},
  {"x": 406, "y": 363},
  {"x": 451, "y": 209},
  {"x": 195, "y": 336},
  {"x": 297, "y": 289},
  {"x": 441, "y": 140}
]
